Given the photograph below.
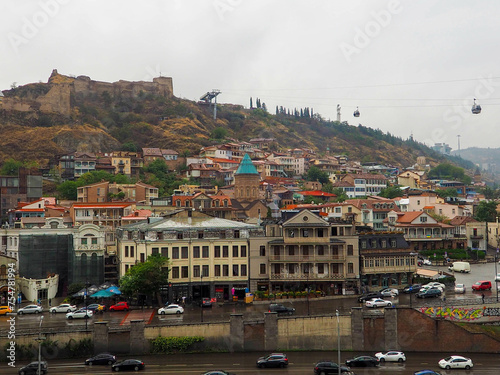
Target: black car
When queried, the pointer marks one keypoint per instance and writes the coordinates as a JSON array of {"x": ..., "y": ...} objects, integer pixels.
[
  {"x": 327, "y": 367},
  {"x": 369, "y": 296},
  {"x": 32, "y": 368},
  {"x": 281, "y": 309},
  {"x": 363, "y": 361},
  {"x": 101, "y": 359},
  {"x": 206, "y": 302},
  {"x": 415, "y": 288},
  {"x": 273, "y": 360},
  {"x": 429, "y": 293},
  {"x": 129, "y": 365}
]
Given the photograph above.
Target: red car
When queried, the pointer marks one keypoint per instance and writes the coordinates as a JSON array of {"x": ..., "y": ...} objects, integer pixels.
[
  {"x": 482, "y": 285},
  {"x": 120, "y": 306}
]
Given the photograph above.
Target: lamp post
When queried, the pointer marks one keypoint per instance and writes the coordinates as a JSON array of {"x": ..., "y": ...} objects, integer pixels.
[
  {"x": 40, "y": 339},
  {"x": 496, "y": 274},
  {"x": 338, "y": 338},
  {"x": 86, "y": 312},
  {"x": 308, "y": 311},
  {"x": 201, "y": 296}
]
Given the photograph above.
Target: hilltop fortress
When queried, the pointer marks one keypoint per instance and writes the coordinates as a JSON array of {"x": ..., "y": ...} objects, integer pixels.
[{"x": 56, "y": 95}]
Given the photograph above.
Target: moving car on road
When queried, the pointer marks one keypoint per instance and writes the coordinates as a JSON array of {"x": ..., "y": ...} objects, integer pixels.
[
  {"x": 171, "y": 309},
  {"x": 429, "y": 293},
  {"x": 95, "y": 308},
  {"x": 362, "y": 361},
  {"x": 389, "y": 292},
  {"x": 80, "y": 314},
  {"x": 65, "y": 307},
  {"x": 415, "y": 288},
  {"x": 426, "y": 372},
  {"x": 32, "y": 368},
  {"x": 482, "y": 285},
  {"x": 120, "y": 306},
  {"x": 378, "y": 302},
  {"x": 460, "y": 288},
  {"x": 101, "y": 359},
  {"x": 281, "y": 309},
  {"x": 391, "y": 356},
  {"x": 455, "y": 361},
  {"x": 273, "y": 360},
  {"x": 30, "y": 309},
  {"x": 4, "y": 310},
  {"x": 129, "y": 365},
  {"x": 217, "y": 372},
  {"x": 328, "y": 367},
  {"x": 369, "y": 296},
  {"x": 206, "y": 302}
]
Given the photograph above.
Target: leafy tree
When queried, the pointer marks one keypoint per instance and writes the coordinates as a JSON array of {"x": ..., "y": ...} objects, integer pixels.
[
  {"x": 219, "y": 133},
  {"x": 449, "y": 171},
  {"x": 315, "y": 174},
  {"x": 146, "y": 278},
  {"x": 11, "y": 167},
  {"x": 445, "y": 193},
  {"x": 341, "y": 195},
  {"x": 328, "y": 188},
  {"x": 486, "y": 211},
  {"x": 129, "y": 146},
  {"x": 490, "y": 193},
  {"x": 68, "y": 190},
  {"x": 391, "y": 192}
]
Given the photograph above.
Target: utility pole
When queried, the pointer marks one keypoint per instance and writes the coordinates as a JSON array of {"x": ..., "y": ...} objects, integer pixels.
[
  {"x": 201, "y": 295},
  {"x": 338, "y": 339},
  {"x": 40, "y": 339}
]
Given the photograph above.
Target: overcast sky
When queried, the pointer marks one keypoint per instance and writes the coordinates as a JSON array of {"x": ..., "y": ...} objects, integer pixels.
[{"x": 412, "y": 67}]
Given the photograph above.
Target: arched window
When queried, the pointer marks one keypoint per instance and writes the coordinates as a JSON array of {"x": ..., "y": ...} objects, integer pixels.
[
  {"x": 53, "y": 225},
  {"x": 178, "y": 202},
  {"x": 248, "y": 192}
]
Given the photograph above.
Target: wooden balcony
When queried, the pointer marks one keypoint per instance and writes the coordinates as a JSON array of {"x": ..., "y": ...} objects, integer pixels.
[{"x": 305, "y": 258}]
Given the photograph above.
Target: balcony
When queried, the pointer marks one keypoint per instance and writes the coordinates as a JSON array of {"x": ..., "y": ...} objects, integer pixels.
[
  {"x": 476, "y": 236},
  {"x": 428, "y": 237},
  {"x": 307, "y": 277},
  {"x": 306, "y": 258}
]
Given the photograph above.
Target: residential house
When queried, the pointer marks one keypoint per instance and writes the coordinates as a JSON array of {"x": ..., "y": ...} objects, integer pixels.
[
  {"x": 365, "y": 184},
  {"x": 85, "y": 162},
  {"x": 410, "y": 179},
  {"x": 373, "y": 211},
  {"x": 151, "y": 154}
]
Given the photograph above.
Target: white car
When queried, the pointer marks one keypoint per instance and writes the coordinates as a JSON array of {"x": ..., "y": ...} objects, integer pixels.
[
  {"x": 30, "y": 309},
  {"x": 391, "y": 356},
  {"x": 460, "y": 288},
  {"x": 436, "y": 284},
  {"x": 171, "y": 309},
  {"x": 80, "y": 314},
  {"x": 456, "y": 361},
  {"x": 390, "y": 292},
  {"x": 497, "y": 278},
  {"x": 65, "y": 307},
  {"x": 378, "y": 302}
]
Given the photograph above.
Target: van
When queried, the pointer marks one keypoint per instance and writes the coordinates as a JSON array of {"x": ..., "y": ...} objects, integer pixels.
[{"x": 463, "y": 267}]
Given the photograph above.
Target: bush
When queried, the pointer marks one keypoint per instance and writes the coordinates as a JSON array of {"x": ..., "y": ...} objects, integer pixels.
[{"x": 166, "y": 345}]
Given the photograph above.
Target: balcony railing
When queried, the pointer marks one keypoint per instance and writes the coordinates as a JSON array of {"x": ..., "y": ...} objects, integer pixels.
[
  {"x": 430, "y": 236},
  {"x": 306, "y": 258},
  {"x": 305, "y": 276}
]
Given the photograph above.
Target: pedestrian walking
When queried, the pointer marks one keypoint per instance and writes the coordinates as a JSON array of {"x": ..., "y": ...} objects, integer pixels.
[{"x": 482, "y": 296}]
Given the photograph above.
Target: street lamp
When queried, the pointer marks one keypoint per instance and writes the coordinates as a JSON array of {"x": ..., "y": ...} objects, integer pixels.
[
  {"x": 40, "y": 339},
  {"x": 86, "y": 311},
  {"x": 338, "y": 338},
  {"x": 201, "y": 295},
  {"x": 496, "y": 274}
]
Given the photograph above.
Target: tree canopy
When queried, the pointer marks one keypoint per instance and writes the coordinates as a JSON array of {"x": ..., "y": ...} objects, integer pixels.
[
  {"x": 449, "y": 171},
  {"x": 146, "y": 278},
  {"x": 315, "y": 174},
  {"x": 391, "y": 192},
  {"x": 486, "y": 211}
]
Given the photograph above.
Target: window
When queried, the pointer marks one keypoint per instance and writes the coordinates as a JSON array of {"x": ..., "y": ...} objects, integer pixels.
[
  {"x": 243, "y": 270},
  {"x": 126, "y": 268},
  {"x": 236, "y": 234},
  {"x": 175, "y": 272},
  {"x": 205, "y": 252},
  {"x": 321, "y": 268},
  {"x": 126, "y": 251},
  {"x": 132, "y": 251},
  {"x": 142, "y": 258},
  {"x": 225, "y": 251},
  {"x": 225, "y": 270},
  {"x": 196, "y": 251},
  {"x": 320, "y": 232},
  {"x": 184, "y": 272},
  {"x": 383, "y": 243},
  {"x": 164, "y": 252},
  {"x": 363, "y": 244},
  {"x": 243, "y": 251},
  {"x": 93, "y": 240},
  {"x": 200, "y": 234},
  {"x": 155, "y": 251},
  {"x": 235, "y": 270},
  {"x": 180, "y": 236},
  {"x": 83, "y": 241},
  {"x": 350, "y": 267},
  {"x": 184, "y": 252},
  {"x": 262, "y": 250},
  {"x": 217, "y": 252},
  {"x": 175, "y": 253},
  {"x": 235, "y": 251},
  {"x": 196, "y": 271},
  {"x": 321, "y": 250},
  {"x": 291, "y": 233},
  {"x": 205, "y": 271},
  {"x": 393, "y": 242},
  {"x": 350, "y": 250},
  {"x": 423, "y": 219},
  {"x": 262, "y": 269},
  {"x": 217, "y": 270},
  {"x": 305, "y": 232},
  {"x": 374, "y": 243}
]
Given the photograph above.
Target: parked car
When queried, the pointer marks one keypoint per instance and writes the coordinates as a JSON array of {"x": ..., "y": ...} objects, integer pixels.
[
  {"x": 456, "y": 361},
  {"x": 281, "y": 309},
  {"x": 389, "y": 292},
  {"x": 171, "y": 309},
  {"x": 463, "y": 267},
  {"x": 415, "y": 288},
  {"x": 32, "y": 368},
  {"x": 129, "y": 365},
  {"x": 497, "y": 277},
  {"x": 460, "y": 288},
  {"x": 424, "y": 262},
  {"x": 120, "y": 306},
  {"x": 435, "y": 284},
  {"x": 65, "y": 307},
  {"x": 30, "y": 309},
  {"x": 482, "y": 285},
  {"x": 429, "y": 293},
  {"x": 378, "y": 302},
  {"x": 217, "y": 372},
  {"x": 80, "y": 314},
  {"x": 362, "y": 361},
  {"x": 4, "y": 310},
  {"x": 369, "y": 296},
  {"x": 426, "y": 372},
  {"x": 206, "y": 302},
  {"x": 95, "y": 307},
  {"x": 328, "y": 367},
  {"x": 101, "y": 359},
  {"x": 273, "y": 360},
  {"x": 391, "y": 356}
]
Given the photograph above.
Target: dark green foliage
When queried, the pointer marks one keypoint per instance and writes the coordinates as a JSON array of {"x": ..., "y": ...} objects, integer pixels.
[
  {"x": 486, "y": 211},
  {"x": 157, "y": 174},
  {"x": 11, "y": 167},
  {"x": 391, "y": 192},
  {"x": 341, "y": 195},
  {"x": 445, "y": 193},
  {"x": 219, "y": 133},
  {"x": 75, "y": 288},
  {"x": 315, "y": 174},
  {"x": 83, "y": 347},
  {"x": 129, "y": 146},
  {"x": 68, "y": 190},
  {"x": 449, "y": 172},
  {"x": 169, "y": 345}
]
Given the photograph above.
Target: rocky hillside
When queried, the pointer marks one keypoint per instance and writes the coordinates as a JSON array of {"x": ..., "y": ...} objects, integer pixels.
[{"x": 105, "y": 117}]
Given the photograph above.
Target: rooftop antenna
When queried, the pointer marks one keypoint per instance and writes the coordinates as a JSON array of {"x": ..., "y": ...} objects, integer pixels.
[
  {"x": 207, "y": 98},
  {"x": 338, "y": 112}
]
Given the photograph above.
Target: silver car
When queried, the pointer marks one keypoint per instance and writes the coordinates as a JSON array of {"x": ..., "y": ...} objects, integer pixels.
[
  {"x": 80, "y": 314},
  {"x": 30, "y": 309}
]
